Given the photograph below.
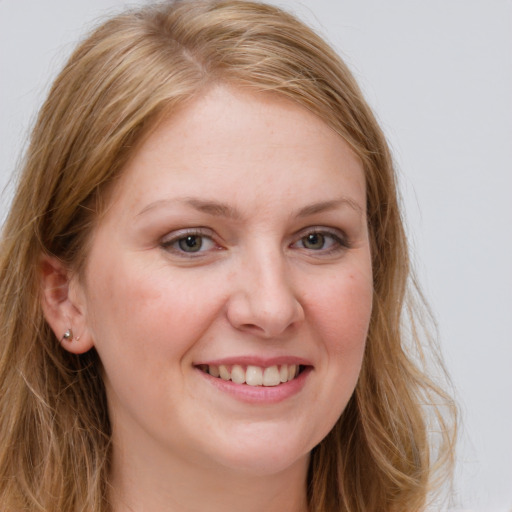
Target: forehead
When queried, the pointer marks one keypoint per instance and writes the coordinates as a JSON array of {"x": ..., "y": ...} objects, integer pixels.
[{"x": 245, "y": 144}]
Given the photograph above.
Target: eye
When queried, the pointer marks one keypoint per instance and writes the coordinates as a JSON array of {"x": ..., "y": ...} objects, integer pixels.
[
  {"x": 315, "y": 241},
  {"x": 188, "y": 243},
  {"x": 321, "y": 241}
]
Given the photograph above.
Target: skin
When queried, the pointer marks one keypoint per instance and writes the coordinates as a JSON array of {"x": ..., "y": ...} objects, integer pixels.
[{"x": 254, "y": 175}]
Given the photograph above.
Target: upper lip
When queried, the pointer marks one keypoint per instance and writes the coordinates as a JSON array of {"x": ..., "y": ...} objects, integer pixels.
[{"x": 246, "y": 360}]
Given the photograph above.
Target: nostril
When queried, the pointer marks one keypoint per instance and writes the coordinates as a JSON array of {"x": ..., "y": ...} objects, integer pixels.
[
  {"x": 250, "y": 327},
  {"x": 266, "y": 329}
]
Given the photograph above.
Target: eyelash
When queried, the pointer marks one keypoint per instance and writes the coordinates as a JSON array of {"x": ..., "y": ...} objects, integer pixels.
[
  {"x": 169, "y": 243},
  {"x": 338, "y": 242}
]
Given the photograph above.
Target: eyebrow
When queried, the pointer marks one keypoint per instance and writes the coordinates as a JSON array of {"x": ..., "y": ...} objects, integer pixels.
[
  {"x": 214, "y": 208},
  {"x": 329, "y": 205},
  {"x": 219, "y": 209}
]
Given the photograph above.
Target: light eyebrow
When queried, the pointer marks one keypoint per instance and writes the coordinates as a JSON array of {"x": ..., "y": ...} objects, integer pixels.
[
  {"x": 219, "y": 209},
  {"x": 214, "y": 208},
  {"x": 210, "y": 207},
  {"x": 329, "y": 205}
]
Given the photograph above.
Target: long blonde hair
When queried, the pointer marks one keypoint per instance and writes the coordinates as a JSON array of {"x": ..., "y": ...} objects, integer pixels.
[{"x": 133, "y": 69}]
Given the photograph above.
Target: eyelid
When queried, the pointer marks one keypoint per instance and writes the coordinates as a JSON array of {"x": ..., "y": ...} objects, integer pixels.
[
  {"x": 173, "y": 237},
  {"x": 340, "y": 238}
]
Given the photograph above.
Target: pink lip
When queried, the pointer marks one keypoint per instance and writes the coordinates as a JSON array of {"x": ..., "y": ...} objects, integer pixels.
[{"x": 259, "y": 394}]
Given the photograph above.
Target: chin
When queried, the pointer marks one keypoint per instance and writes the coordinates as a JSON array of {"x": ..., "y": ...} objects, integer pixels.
[
  {"x": 264, "y": 463},
  {"x": 262, "y": 453}
]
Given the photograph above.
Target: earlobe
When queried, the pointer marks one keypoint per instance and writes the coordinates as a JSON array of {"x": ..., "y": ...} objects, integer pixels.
[{"x": 63, "y": 310}]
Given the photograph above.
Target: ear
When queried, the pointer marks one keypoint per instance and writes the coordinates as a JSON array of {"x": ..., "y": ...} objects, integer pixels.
[{"x": 63, "y": 303}]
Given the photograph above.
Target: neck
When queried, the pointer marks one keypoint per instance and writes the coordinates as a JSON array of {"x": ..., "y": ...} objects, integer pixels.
[{"x": 158, "y": 485}]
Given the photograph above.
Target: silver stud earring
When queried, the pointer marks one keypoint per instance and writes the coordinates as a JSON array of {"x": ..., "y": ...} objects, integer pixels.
[{"x": 67, "y": 336}]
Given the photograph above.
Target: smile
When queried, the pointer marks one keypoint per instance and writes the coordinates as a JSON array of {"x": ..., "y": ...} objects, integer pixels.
[{"x": 254, "y": 375}]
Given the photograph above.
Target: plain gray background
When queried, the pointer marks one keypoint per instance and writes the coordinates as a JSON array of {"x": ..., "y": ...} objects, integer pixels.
[{"x": 439, "y": 76}]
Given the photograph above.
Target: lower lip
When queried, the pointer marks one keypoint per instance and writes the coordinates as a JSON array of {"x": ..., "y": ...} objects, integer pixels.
[{"x": 260, "y": 394}]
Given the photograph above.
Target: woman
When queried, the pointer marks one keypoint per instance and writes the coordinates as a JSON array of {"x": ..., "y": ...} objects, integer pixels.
[{"x": 203, "y": 282}]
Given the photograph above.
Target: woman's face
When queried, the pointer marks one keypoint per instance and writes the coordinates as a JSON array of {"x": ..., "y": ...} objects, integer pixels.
[{"x": 236, "y": 244}]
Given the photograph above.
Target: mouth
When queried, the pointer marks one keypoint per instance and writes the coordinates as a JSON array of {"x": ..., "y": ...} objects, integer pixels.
[{"x": 251, "y": 375}]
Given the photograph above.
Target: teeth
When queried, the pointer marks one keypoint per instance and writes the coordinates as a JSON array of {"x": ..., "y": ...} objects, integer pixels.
[
  {"x": 237, "y": 374},
  {"x": 214, "y": 371},
  {"x": 255, "y": 375},
  {"x": 292, "y": 371},
  {"x": 271, "y": 376},
  {"x": 224, "y": 372}
]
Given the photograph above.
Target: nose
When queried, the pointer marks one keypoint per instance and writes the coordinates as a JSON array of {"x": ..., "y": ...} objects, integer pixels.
[{"x": 263, "y": 300}]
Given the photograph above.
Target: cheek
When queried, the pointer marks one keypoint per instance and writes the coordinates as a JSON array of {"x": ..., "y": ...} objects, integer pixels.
[
  {"x": 342, "y": 312},
  {"x": 144, "y": 308},
  {"x": 121, "y": 300}
]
